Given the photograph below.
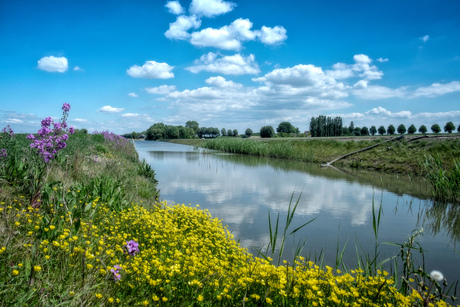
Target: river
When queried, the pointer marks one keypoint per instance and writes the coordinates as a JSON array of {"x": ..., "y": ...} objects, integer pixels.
[{"x": 243, "y": 190}]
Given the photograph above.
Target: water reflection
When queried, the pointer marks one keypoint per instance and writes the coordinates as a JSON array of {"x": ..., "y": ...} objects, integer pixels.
[{"x": 241, "y": 190}]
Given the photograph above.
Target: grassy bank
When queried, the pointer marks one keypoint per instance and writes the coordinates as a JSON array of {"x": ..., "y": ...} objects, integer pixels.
[
  {"x": 94, "y": 236},
  {"x": 394, "y": 157}
]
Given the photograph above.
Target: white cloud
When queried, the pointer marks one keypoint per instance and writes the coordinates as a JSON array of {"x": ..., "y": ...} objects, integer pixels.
[
  {"x": 179, "y": 28},
  {"x": 134, "y": 95},
  {"x": 383, "y": 112},
  {"x": 130, "y": 115},
  {"x": 161, "y": 90},
  {"x": 234, "y": 65},
  {"x": 272, "y": 36},
  {"x": 13, "y": 121},
  {"x": 230, "y": 37},
  {"x": 151, "y": 70},
  {"x": 211, "y": 8},
  {"x": 437, "y": 89},
  {"x": 222, "y": 83},
  {"x": 374, "y": 92},
  {"x": 361, "y": 68},
  {"x": 174, "y": 7},
  {"x": 381, "y": 60},
  {"x": 80, "y": 120},
  {"x": 53, "y": 64},
  {"x": 425, "y": 38},
  {"x": 76, "y": 68},
  {"x": 109, "y": 109}
]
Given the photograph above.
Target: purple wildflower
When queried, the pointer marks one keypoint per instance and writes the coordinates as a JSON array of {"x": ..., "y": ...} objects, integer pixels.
[
  {"x": 66, "y": 107},
  {"x": 9, "y": 131},
  {"x": 116, "y": 272},
  {"x": 133, "y": 247},
  {"x": 3, "y": 153}
]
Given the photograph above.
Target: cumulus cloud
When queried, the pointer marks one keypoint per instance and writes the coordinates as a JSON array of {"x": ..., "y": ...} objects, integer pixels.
[
  {"x": 211, "y": 8},
  {"x": 161, "y": 90},
  {"x": 134, "y": 95},
  {"x": 233, "y": 64},
  {"x": 381, "y": 60},
  {"x": 437, "y": 89},
  {"x": 80, "y": 120},
  {"x": 151, "y": 70},
  {"x": 362, "y": 68},
  {"x": 220, "y": 82},
  {"x": 53, "y": 64},
  {"x": 174, "y": 7},
  {"x": 382, "y": 111},
  {"x": 76, "y": 68},
  {"x": 109, "y": 109},
  {"x": 179, "y": 28},
  {"x": 425, "y": 38},
  {"x": 231, "y": 37},
  {"x": 272, "y": 36},
  {"x": 13, "y": 121}
]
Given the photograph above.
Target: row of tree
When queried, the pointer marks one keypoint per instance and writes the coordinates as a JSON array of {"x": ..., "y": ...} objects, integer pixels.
[{"x": 326, "y": 126}]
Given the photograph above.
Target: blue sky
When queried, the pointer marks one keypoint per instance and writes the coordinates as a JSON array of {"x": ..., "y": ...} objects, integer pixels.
[{"x": 125, "y": 65}]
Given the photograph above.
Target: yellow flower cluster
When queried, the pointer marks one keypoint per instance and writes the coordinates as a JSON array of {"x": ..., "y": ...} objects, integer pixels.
[{"x": 185, "y": 257}]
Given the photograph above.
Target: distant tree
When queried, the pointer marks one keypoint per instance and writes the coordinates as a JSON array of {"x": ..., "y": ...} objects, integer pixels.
[
  {"x": 351, "y": 127},
  {"x": 449, "y": 127},
  {"x": 357, "y": 132},
  {"x": 235, "y": 132},
  {"x": 422, "y": 129},
  {"x": 313, "y": 126},
  {"x": 171, "y": 132},
  {"x": 156, "y": 132},
  {"x": 401, "y": 129},
  {"x": 458, "y": 129},
  {"x": 248, "y": 132},
  {"x": 435, "y": 128},
  {"x": 391, "y": 130},
  {"x": 285, "y": 127},
  {"x": 373, "y": 130},
  {"x": 411, "y": 129},
  {"x": 382, "y": 130},
  {"x": 364, "y": 131},
  {"x": 229, "y": 132},
  {"x": 267, "y": 132},
  {"x": 202, "y": 132},
  {"x": 193, "y": 124},
  {"x": 186, "y": 133},
  {"x": 345, "y": 131},
  {"x": 223, "y": 132}
]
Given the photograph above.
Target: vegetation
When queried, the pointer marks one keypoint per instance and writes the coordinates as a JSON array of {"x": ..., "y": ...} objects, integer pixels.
[
  {"x": 435, "y": 128},
  {"x": 248, "y": 132},
  {"x": 373, "y": 130},
  {"x": 401, "y": 129},
  {"x": 94, "y": 236},
  {"x": 391, "y": 130},
  {"x": 422, "y": 129},
  {"x": 411, "y": 129},
  {"x": 326, "y": 126},
  {"x": 449, "y": 127},
  {"x": 444, "y": 179},
  {"x": 267, "y": 132},
  {"x": 382, "y": 130}
]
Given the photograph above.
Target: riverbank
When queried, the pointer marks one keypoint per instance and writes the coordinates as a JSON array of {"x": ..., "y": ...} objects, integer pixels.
[
  {"x": 403, "y": 156},
  {"x": 93, "y": 238}
]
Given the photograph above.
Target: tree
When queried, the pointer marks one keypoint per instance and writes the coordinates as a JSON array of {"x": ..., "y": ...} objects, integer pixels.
[
  {"x": 267, "y": 132},
  {"x": 285, "y": 127},
  {"x": 313, "y": 127},
  {"x": 435, "y": 128},
  {"x": 373, "y": 130},
  {"x": 223, "y": 132},
  {"x": 351, "y": 127},
  {"x": 364, "y": 131},
  {"x": 193, "y": 124},
  {"x": 345, "y": 131},
  {"x": 382, "y": 130},
  {"x": 458, "y": 129},
  {"x": 449, "y": 127},
  {"x": 248, "y": 132},
  {"x": 171, "y": 132},
  {"x": 156, "y": 132},
  {"x": 401, "y": 129},
  {"x": 422, "y": 129},
  {"x": 229, "y": 132},
  {"x": 411, "y": 129},
  {"x": 235, "y": 132},
  {"x": 391, "y": 130}
]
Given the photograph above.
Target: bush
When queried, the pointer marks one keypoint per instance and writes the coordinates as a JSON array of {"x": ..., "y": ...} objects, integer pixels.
[{"x": 267, "y": 132}]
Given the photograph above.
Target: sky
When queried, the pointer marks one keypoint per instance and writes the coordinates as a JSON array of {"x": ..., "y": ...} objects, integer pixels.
[{"x": 126, "y": 65}]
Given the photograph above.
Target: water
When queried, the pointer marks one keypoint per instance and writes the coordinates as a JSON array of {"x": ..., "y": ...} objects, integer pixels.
[{"x": 242, "y": 190}]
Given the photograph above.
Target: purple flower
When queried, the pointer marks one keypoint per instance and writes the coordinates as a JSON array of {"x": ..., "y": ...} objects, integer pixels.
[
  {"x": 3, "y": 153},
  {"x": 31, "y": 137},
  {"x": 133, "y": 247},
  {"x": 71, "y": 130},
  {"x": 46, "y": 122},
  {"x": 66, "y": 107},
  {"x": 9, "y": 131},
  {"x": 116, "y": 273}
]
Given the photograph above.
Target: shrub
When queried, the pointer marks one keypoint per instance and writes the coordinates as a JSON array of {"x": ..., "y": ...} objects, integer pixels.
[{"x": 267, "y": 132}]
